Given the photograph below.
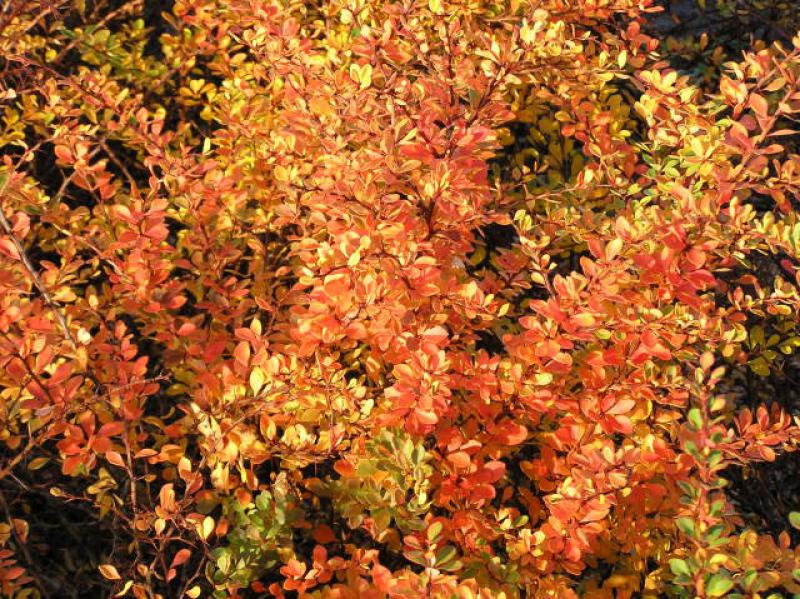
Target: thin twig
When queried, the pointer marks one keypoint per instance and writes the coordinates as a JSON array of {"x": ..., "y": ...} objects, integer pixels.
[
  {"x": 22, "y": 545},
  {"x": 37, "y": 282}
]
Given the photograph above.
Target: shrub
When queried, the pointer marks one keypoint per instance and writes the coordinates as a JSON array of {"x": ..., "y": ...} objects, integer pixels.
[{"x": 393, "y": 299}]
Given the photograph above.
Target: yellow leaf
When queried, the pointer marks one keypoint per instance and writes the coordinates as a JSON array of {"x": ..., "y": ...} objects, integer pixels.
[
  {"x": 584, "y": 319},
  {"x": 478, "y": 255},
  {"x": 361, "y": 74},
  {"x": 109, "y": 572},
  {"x": 208, "y": 527},
  {"x": 354, "y": 258},
  {"x": 257, "y": 380},
  {"x": 366, "y": 76},
  {"x": 196, "y": 85},
  {"x": 84, "y": 336},
  {"x": 125, "y": 589},
  {"x": 613, "y": 248},
  {"x": 37, "y": 463},
  {"x": 255, "y": 326}
]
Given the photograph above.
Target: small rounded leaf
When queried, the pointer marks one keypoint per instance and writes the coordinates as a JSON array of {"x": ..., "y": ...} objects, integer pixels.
[
  {"x": 718, "y": 585},
  {"x": 109, "y": 572}
]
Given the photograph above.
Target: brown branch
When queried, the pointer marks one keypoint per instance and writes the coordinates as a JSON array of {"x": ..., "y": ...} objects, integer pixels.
[
  {"x": 23, "y": 547},
  {"x": 37, "y": 281}
]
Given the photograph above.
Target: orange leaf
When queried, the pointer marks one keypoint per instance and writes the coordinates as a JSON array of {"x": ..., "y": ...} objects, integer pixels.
[
  {"x": 382, "y": 577},
  {"x": 758, "y": 104},
  {"x": 114, "y": 458},
  {"x": 344, "y": 468},
  {"x": 9, "y": 248},
  {"x": 459, "y": 459},
  {"x": 735, "y": 92},
  {"x": 181, "y": 557},
  {"x": 323, "y": 534},
  {"x": 63, "y": 154},
  {"x": 511, "y": 433},
  {"x": 294, "y": 569}
]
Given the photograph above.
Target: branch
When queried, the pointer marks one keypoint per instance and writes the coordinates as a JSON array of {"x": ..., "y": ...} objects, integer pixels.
[{"x": 37, "y": 282}]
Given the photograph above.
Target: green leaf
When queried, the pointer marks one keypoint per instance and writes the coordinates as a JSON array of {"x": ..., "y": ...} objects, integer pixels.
[
  {"x": 263, "y": 500},
  {"x": 679, "y": 567},
  {"x": 749, "y": 578},
  {"x": 696, "y": 418},
  {"x": 452, "y": 566},
  {"x": 434, "y": 530},
  {"x": 714, "y": 458},
  {"x": 794, "y": 519},
  {"x": 718, "y": 585},
  {"x": 686, "y": 525},
  {"x": 714, "y": 532},
  {"x": 366, "y": 468},
  {"x": 445, "y": 554}
]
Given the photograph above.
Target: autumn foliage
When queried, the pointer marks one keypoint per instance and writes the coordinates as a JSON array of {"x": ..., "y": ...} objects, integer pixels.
[{"x": 417, "y": 298}]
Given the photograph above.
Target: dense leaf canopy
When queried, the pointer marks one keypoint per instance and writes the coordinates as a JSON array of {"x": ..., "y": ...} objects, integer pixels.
[{"x": 413, "y": 298}]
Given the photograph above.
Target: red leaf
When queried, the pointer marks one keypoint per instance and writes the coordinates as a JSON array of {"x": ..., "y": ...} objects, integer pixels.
[{"x": 112, "y": 429}]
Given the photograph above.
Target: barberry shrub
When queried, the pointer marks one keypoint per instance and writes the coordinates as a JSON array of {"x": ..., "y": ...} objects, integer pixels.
[{"x": 360, "y": 298}]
